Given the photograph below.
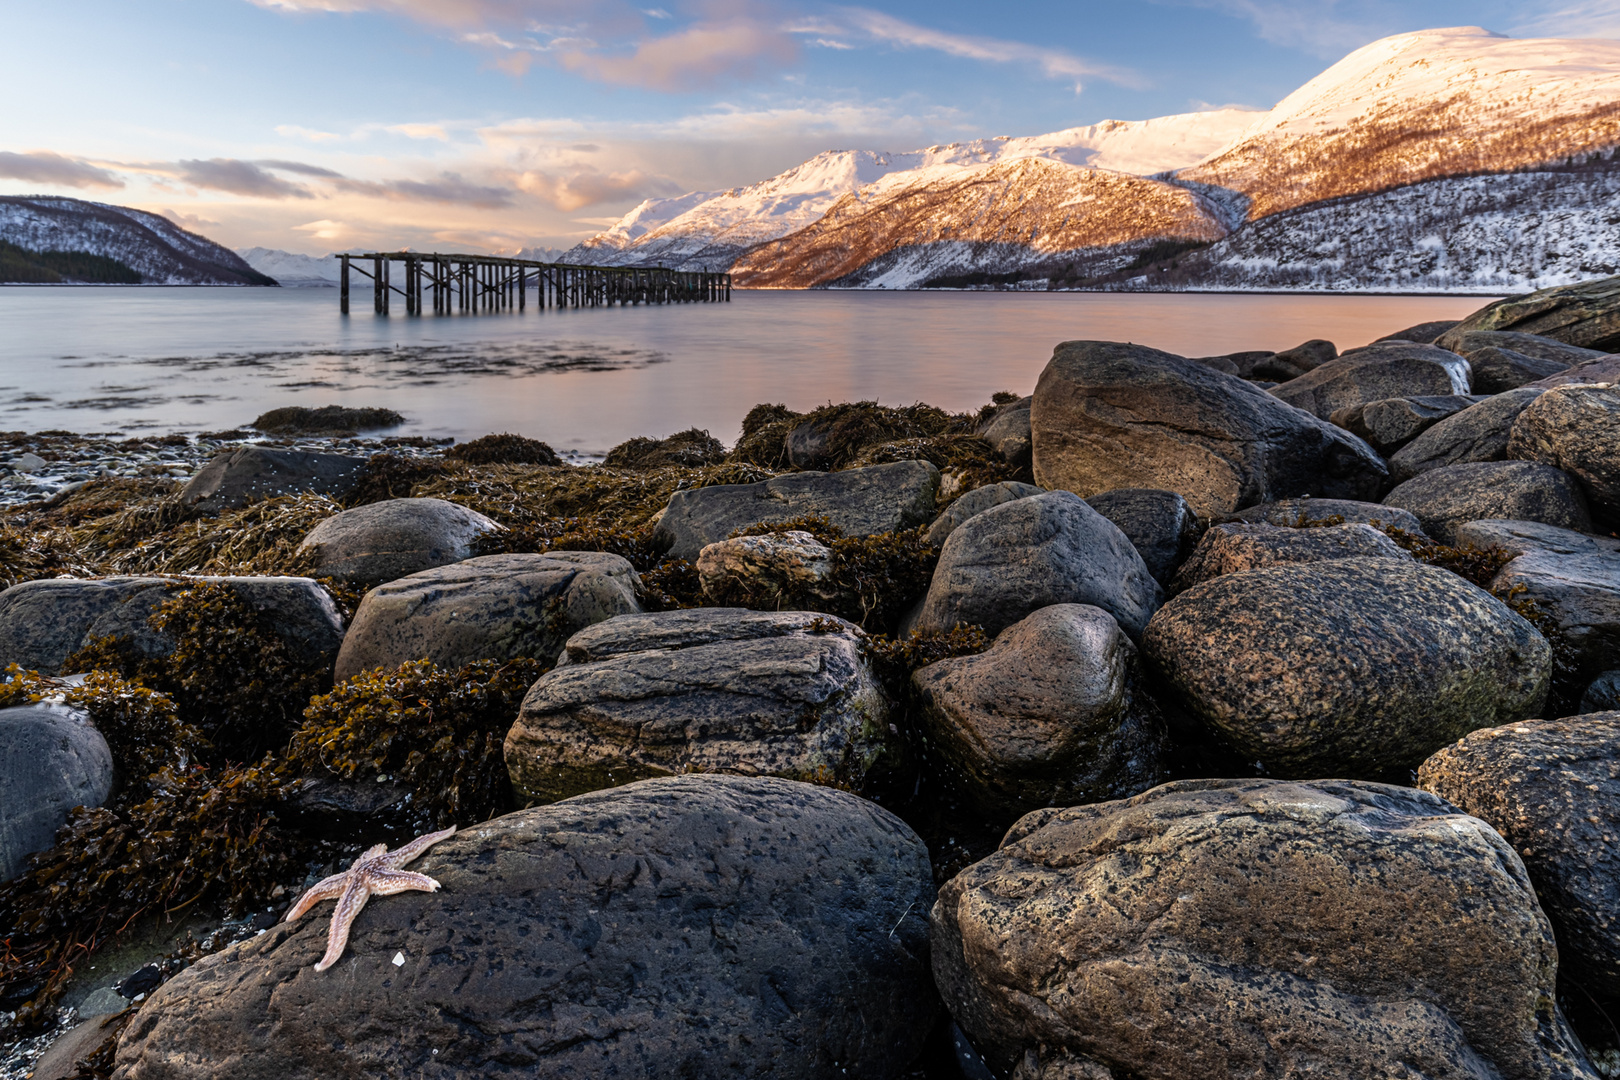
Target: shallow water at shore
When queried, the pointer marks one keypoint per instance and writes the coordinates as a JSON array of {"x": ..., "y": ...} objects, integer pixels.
[{"x": 173, "y": 359}]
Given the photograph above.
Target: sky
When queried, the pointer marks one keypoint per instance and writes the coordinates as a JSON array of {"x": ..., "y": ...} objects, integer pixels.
[{"x": 493, "y": 125}]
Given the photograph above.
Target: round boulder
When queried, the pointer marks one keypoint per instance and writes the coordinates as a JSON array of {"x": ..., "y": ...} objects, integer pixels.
[
  {"x": 51, "y": 760},
  {"x": 1576, "y": 429},
  {"x": 1051, "y": 715},
  {"x": 695, "y": 926},
  {"x": 392, "y": 539},
  {"x": 1230, "y": 928},
  {"x": 1357, "y": 667},
  {"x": 1452, "y": 495},
  {"x": 974, "y": 502},
  {"x": 1552, "y": 789}
]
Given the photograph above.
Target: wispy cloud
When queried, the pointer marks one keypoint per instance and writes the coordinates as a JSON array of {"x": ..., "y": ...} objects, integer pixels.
[
  {"x": 1591, "y": 18},
  {"x": 299, "y": 167},
  {"x": 238, "y": 178},
  {"x": 45, "y": 167},
  {"x": 189, "y": 221},
  {"x": 448, "y": 187},
  {"x": 1318, "y": 27},
  {"x": 421, "y": 131},
  {"x": 293, "y": 131},
  {"x": 696, "y": 57}
]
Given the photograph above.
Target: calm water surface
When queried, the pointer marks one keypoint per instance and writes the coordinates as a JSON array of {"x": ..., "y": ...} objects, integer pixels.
[{"x": 161, "y": 359}]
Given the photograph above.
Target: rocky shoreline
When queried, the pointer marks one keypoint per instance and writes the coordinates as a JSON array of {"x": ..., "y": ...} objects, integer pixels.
[{"x": 1242, "y": 716}]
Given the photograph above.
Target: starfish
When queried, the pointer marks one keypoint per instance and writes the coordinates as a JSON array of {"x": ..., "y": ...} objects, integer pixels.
[{"x": 376, "y": 872}]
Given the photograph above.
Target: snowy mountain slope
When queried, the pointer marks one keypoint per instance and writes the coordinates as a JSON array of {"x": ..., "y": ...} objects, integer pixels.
[
  {"x": 155, "y": 247},
  {"x": 1007, "y": 215},
  {"x": 1423, "y": 105},
  {"x": 712, "y": 230},
  {"x": 290, "y": 269},
  {"x": 1490, "y": 234}
]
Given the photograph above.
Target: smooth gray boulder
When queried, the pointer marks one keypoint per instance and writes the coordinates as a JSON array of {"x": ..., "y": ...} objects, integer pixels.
[
  {"x": 1521, "y": 537},
  {"x": 1009, "y": 432},
  {"x": 1578, "y": 596},
  {"x": 1497, "y": 370},
  {"x": 1586, "y": 314},
  {"x": 51, "y": 760},
  {"x": 1010, "y": 560},
  {"x": 1159, "y": 524},
  {"x": 1052, "y": 714},
  {"x": 1374, "y": 373},
  {"x": 1108, "y": 415},
  {"x": 1391, "y": 423},
  {"x": 708, "y": 690},
  {"x": 392, "y": 539},
  {"x": 1552, "y": 789},
  {"x": 1424, "y": 333},
  {"x": 1446, "y": 497},
  {"x": 1576, "y": 429},
  {"x": 1478, "y": 433},
  {"x": 708, "y": 927},
  {"x": 494, "y": 607},
  {"x": 1296, "y": 512},
  {"x": 860, "y": 502},
  {"x": 1234, "y": 546},
  {"x": 974, "y": 502},
  {"x": 43, "y": 622},
  {"x": 1254, "y": 928},
  {"x": 1354, "y": 667},
  {"x": 251, "y": 473}
]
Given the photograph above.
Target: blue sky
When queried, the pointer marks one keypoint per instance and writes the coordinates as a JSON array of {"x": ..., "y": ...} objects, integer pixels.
[{"x": 317, "y": 125}]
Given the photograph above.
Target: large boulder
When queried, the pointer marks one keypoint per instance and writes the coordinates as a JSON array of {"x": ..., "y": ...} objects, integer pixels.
[
  {"x": 860, "y": 502},
  {"x": 43, "y": 622},
  {"x": 386, "y": 540},
  {"x": 1253, "y": 928},
  {"x": 252, "y": 473},
  {"x": 705, "y": 690},
  {"x": 1354, "y": 667},
  {"x": 1159, "y": 524},
  {"x": 1051, "y": 715},
  {"x": 1576, "y": 429},
  {"x": 1496, "y": 370},
  {"x": 1604, "y": 370},
  {"x": 699, "y": 926},
  {"x": 974, "y": 502},
  {"x": 1478, "y": 433},
  {"x": 1552, "y": 789},
  {"x": 1446, "y": 497},
  {"x": 1391, "y": 423},
  {"x": 51, "y": 760},
  {"x": 1108, "y": 415},
  {"x": 1010, "y": 560},
  {"x": 1375, "y": 372},
  {"x": 1578, "y": 597},
  {"x": 1586, "y": 314},
  {"x": 1236, "y": 546},
  {"x": 1298, "y": 513},
  {"x": 494, "y": 607}
]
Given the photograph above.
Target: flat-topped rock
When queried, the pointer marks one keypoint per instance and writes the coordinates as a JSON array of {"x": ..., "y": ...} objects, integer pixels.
[
  {"x": 1522, "y": 537},
  {"x": 1585, "y": 314},
  {"x": 1354, "y": 667},
  {"x": 1604, "y": 370},
  {"x": 51, "y": 760},
  {"x": 860, "y": 502},
  {"x": 251, "y": 473},
  {"x": 1374, "y": 373},
  {"x": 672, "y": 692},
  {"x": 1254, "y": 928},
  {"x": 1297, "y": 512},
  {"x": 1108, "y": 415},
  {"x": 1232, "y": 547},
  {"x": 1446, "y": 497},
  {"x": 494, "y": 607},
  {"x": 392, "y": 539},
  {"x": 696, "y": 926},
  {"x": 1496, "y": 370},
  {"x": 1477, "y": 433}
]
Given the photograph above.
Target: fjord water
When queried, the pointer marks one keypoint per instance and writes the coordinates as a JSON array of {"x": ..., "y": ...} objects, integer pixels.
[{"x": 198, "y": 359}]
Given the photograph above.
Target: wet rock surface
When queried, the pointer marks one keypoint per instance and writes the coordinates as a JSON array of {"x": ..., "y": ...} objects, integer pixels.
[
  {"x": 1375, "y": 373},
  {"x": 1233, "y": 547},
  {"x": 1053, "y": 714},
  {"x": 710, "y": 690},
  {"x": 860, "y": 502},
  {"x": 1496, "y": 370},
  {"x": 1214, "y": 928},
  {"x": 495, "y": 607},
  {"x": 1109, "y": 416},
  {"x": 51, "y": 760},
  {"x": 1478, "y": 433},
  {"x": 237, "y": 477},
  {"x": 1159, "y": 524},
  {"x": 1012, "y": 559},
  {"x": 1444, "y": 498},
  {"x": 701, "y": 926},
  {"x": 1552, "y": 789},
  {"x": 1356, "y": 667},
  {"x": 1576, "y": 429},
  {"x": 392, "y": 539}
]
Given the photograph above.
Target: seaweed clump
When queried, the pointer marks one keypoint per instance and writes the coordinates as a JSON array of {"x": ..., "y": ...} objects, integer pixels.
[
  {"x": 834, "y": 436},
  {"x": 333, "y": 420},
  {"x": 692, "y": 447},
  {"x": 439, "y": 732},
  {"x": 504, "y": 449},
  {"x": 764, "y": 436},
  {"x": 159, "y": 537},
  {"x": 390, "y": 476}
]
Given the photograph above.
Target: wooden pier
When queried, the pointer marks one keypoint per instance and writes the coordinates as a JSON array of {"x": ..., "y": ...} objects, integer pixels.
[{"x": 450, "y": 284}]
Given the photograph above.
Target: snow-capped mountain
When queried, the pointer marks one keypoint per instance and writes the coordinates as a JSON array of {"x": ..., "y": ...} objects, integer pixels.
[
  {"x": 291, "y": 269},
  {"x": 1082, "y": 203},
  {"x": 153, "y": 246}
]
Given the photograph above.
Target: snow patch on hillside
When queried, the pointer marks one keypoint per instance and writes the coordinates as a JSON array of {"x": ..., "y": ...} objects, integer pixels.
[
  {"x": 159, "y": 250},
  {"x": 292, "y": 269}
]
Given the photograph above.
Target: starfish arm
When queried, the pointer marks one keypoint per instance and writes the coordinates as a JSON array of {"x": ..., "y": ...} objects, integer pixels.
[
  {"x": 325, "y": 889},
  {"x": 389, "y": 882},
  {"x": 337, "y": 938},
  {"x": 395, "y": 859}
]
